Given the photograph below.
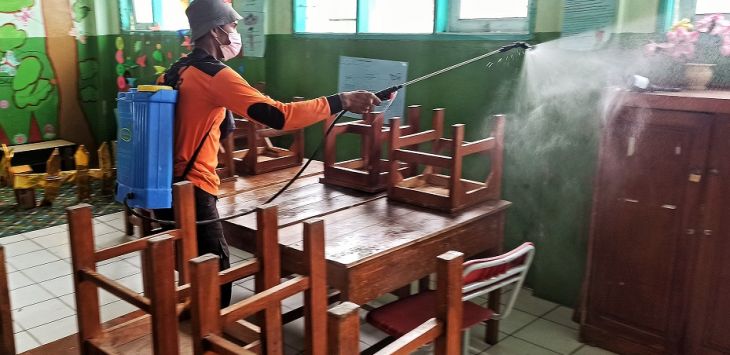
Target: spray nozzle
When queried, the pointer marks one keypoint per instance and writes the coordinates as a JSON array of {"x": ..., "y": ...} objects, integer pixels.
[{"x": 523, "y": 45}]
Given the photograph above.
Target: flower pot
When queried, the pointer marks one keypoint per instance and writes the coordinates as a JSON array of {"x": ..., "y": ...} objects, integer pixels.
[{"x": 697, "y": 76}]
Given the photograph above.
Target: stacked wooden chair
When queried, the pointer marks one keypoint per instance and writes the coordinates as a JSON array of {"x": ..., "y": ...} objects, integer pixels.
[
  {"x": 369, "y": 172},
  {"x": 432, "y": 188},
  {"x": 7, "y": 339}
]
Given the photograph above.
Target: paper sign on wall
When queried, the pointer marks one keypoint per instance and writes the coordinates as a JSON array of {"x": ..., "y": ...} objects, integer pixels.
[
  {"x": 374, "y": 75},
  {"x": 251, "y": 27}
]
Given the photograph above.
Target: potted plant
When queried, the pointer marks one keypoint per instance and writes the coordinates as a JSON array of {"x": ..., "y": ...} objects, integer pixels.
[{"x": 694, "y": 45}]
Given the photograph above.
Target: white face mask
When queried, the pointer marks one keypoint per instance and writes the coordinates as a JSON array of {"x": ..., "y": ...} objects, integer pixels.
[{"x": 232, "y": 50}]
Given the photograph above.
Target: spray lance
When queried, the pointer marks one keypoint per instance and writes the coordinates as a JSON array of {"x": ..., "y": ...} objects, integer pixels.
[{"x": 384, "y": 94}]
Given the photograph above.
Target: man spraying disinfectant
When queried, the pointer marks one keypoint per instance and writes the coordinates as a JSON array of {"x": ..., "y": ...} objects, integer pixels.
[{"x": 207, "y": 89}]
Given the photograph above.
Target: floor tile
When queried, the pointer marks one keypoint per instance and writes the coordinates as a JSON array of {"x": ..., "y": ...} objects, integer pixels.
[
  {"x": 10, "y": 268},
  {"x": 28, "y": 295},
  {"x": 110, "y": 239},
  {"x": 59, "y": 286},
  {"x": 17, "y": 280},
  {"x": 106, "y": 298},
  {"x": 48, "y": 271},
  {"x": 369, "y": 334},
  {"x": 117, "y": 270},
  {"x": 42, "y": 313},
  {"x": 12, "y": 239},
  {"x": 69, "y": 300},
  {"x": 21, "y": 247},
  {"x": 476, "y": 337},
  {"x": 133, "y": 282},
  {"x": 515, "y": 321},
  {"x": 31, "y": 259},
  {"x": 16, "y": 327},
  {"x": 61, "y": 251},
  {"x": 46, "y": 231},
  {"x": 294, "y": 301},
  {"x": 550, "y": 335},
  {"x": 103, "y": 228},
  {"x": 110, "y": 217},
  {"x": 53, "y": 240},
  {"x": 563, "y": 316},
  {"x": 240, "y": 253},
  {"x": 589, "y": 350},
  {"x": 239, "y": 293},
  {"x": 24, "y": 342},
  {"x": 294, "y": 334},
  {"x": 115, "y": 310},
  {"x": 526, "y": 302},
  {"x": 117, "y": 223},
  {"x": 55, "y": 330},
  {"x": 514, "y": 346}
]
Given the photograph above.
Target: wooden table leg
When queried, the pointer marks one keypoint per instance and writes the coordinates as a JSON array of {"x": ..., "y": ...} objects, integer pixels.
[
  {"x": 491, "y": 335},
  {"x": 146, "y": 224},
  {"x": 343, "y": 328}
]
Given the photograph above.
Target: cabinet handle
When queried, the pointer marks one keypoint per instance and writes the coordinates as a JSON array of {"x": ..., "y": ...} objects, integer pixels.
[
  {"x": 690, "y": 231},
  {"x": 631, "y": 200},
  {"x": 669, "y": 207},
  {"x": 714, "y": 172},
  {"x": 707, "y": 232}
]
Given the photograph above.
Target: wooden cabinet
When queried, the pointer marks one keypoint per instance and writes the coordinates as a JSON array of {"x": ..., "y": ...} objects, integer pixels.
[{"x": 658, "y": 276}]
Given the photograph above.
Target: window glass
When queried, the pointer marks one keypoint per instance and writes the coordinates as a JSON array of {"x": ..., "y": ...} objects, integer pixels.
[
  {"x": 329, "y": 16},
  {"x": 143, "y": 11},
  {"x": 478, "y": 9},
  {"x": 399, "y": 16},
  {"x": 713, "y": 6},
  {"x": 173, "y": 16}
]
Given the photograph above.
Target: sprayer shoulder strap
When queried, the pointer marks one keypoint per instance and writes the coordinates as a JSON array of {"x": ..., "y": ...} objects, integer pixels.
[{"x": 192, "y": 160}]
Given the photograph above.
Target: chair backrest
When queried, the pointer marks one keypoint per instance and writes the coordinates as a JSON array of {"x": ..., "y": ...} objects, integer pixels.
[
  {"x": 482, "y": 276},
  {"x": 209, "y": 320},
  {"x": 160, "y": 298},
  {"x": 444, "y": 330},
  {"x": 7, "y": 340}
]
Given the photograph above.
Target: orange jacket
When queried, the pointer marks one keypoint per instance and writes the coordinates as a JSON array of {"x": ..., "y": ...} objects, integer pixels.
[{"x": 206, "y": 89}]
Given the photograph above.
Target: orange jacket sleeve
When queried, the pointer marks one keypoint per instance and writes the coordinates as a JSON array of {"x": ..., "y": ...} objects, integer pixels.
[{"x": 235, "y": 94}]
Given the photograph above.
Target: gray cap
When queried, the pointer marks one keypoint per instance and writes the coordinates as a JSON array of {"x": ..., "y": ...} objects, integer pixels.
[{"x": 204, "y": 15}]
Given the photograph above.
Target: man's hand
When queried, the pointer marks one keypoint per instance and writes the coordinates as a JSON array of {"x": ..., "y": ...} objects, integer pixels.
[{"x": 359, "y": 101}]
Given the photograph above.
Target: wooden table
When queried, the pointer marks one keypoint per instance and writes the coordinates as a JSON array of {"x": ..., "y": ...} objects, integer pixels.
[{"x": 373, "y": 246}]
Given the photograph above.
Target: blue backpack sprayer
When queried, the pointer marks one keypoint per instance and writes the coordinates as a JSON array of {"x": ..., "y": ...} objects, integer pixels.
[{"x": 145, "y": 143}]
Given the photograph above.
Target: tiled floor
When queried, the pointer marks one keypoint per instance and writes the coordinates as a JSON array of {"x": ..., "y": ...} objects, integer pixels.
[{"x": 43, "y": 304}]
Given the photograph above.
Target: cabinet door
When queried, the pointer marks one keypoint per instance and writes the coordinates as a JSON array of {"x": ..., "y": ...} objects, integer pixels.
[
  {"x": 710, "y": 316},
  {"x": 646, "y": 193}
]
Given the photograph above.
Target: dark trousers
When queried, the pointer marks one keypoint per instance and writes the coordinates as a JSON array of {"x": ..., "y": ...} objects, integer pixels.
[{"x": 210, "y": 236}]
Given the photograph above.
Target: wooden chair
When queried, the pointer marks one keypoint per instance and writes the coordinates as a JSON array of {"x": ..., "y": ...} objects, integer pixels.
[
  {"x": 24, "y": 197},
  {"x": 431, "y": 188},
  {"x": 370, "y": 171},
  {"x": 442, "y": 325},
  {"x": 209, "y": 320},
  {"x": 480, "y": 277},
  {"x": 7, "y": 339},
  {"x": 160, "y": 299}
]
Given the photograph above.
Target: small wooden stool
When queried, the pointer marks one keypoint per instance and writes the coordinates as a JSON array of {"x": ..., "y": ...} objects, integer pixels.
[
  {"x": 431, "y": 188},
  {"x": 368, "y": 173}
]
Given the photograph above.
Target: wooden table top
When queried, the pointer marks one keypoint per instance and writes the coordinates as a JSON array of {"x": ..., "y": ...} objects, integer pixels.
[
  {"x": 253, "y": 182},
  {"x": 358, "y": 225}
]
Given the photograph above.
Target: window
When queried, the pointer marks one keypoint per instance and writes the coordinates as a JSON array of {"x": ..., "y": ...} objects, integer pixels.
[
  {"x": 328, "y": 16},
  {"x": 489, "y": 16},
  {"x": 712, "y": 7},
  {"x": 165, "y": 15},
  {"x": 411, "y": 16}
]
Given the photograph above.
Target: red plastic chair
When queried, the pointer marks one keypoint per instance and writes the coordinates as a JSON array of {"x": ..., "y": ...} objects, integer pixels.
[{"x": 481, "y": 276}]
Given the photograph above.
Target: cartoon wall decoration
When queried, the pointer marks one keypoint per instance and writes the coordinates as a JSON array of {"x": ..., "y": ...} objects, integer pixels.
[{"x": 28, "y": 91}]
